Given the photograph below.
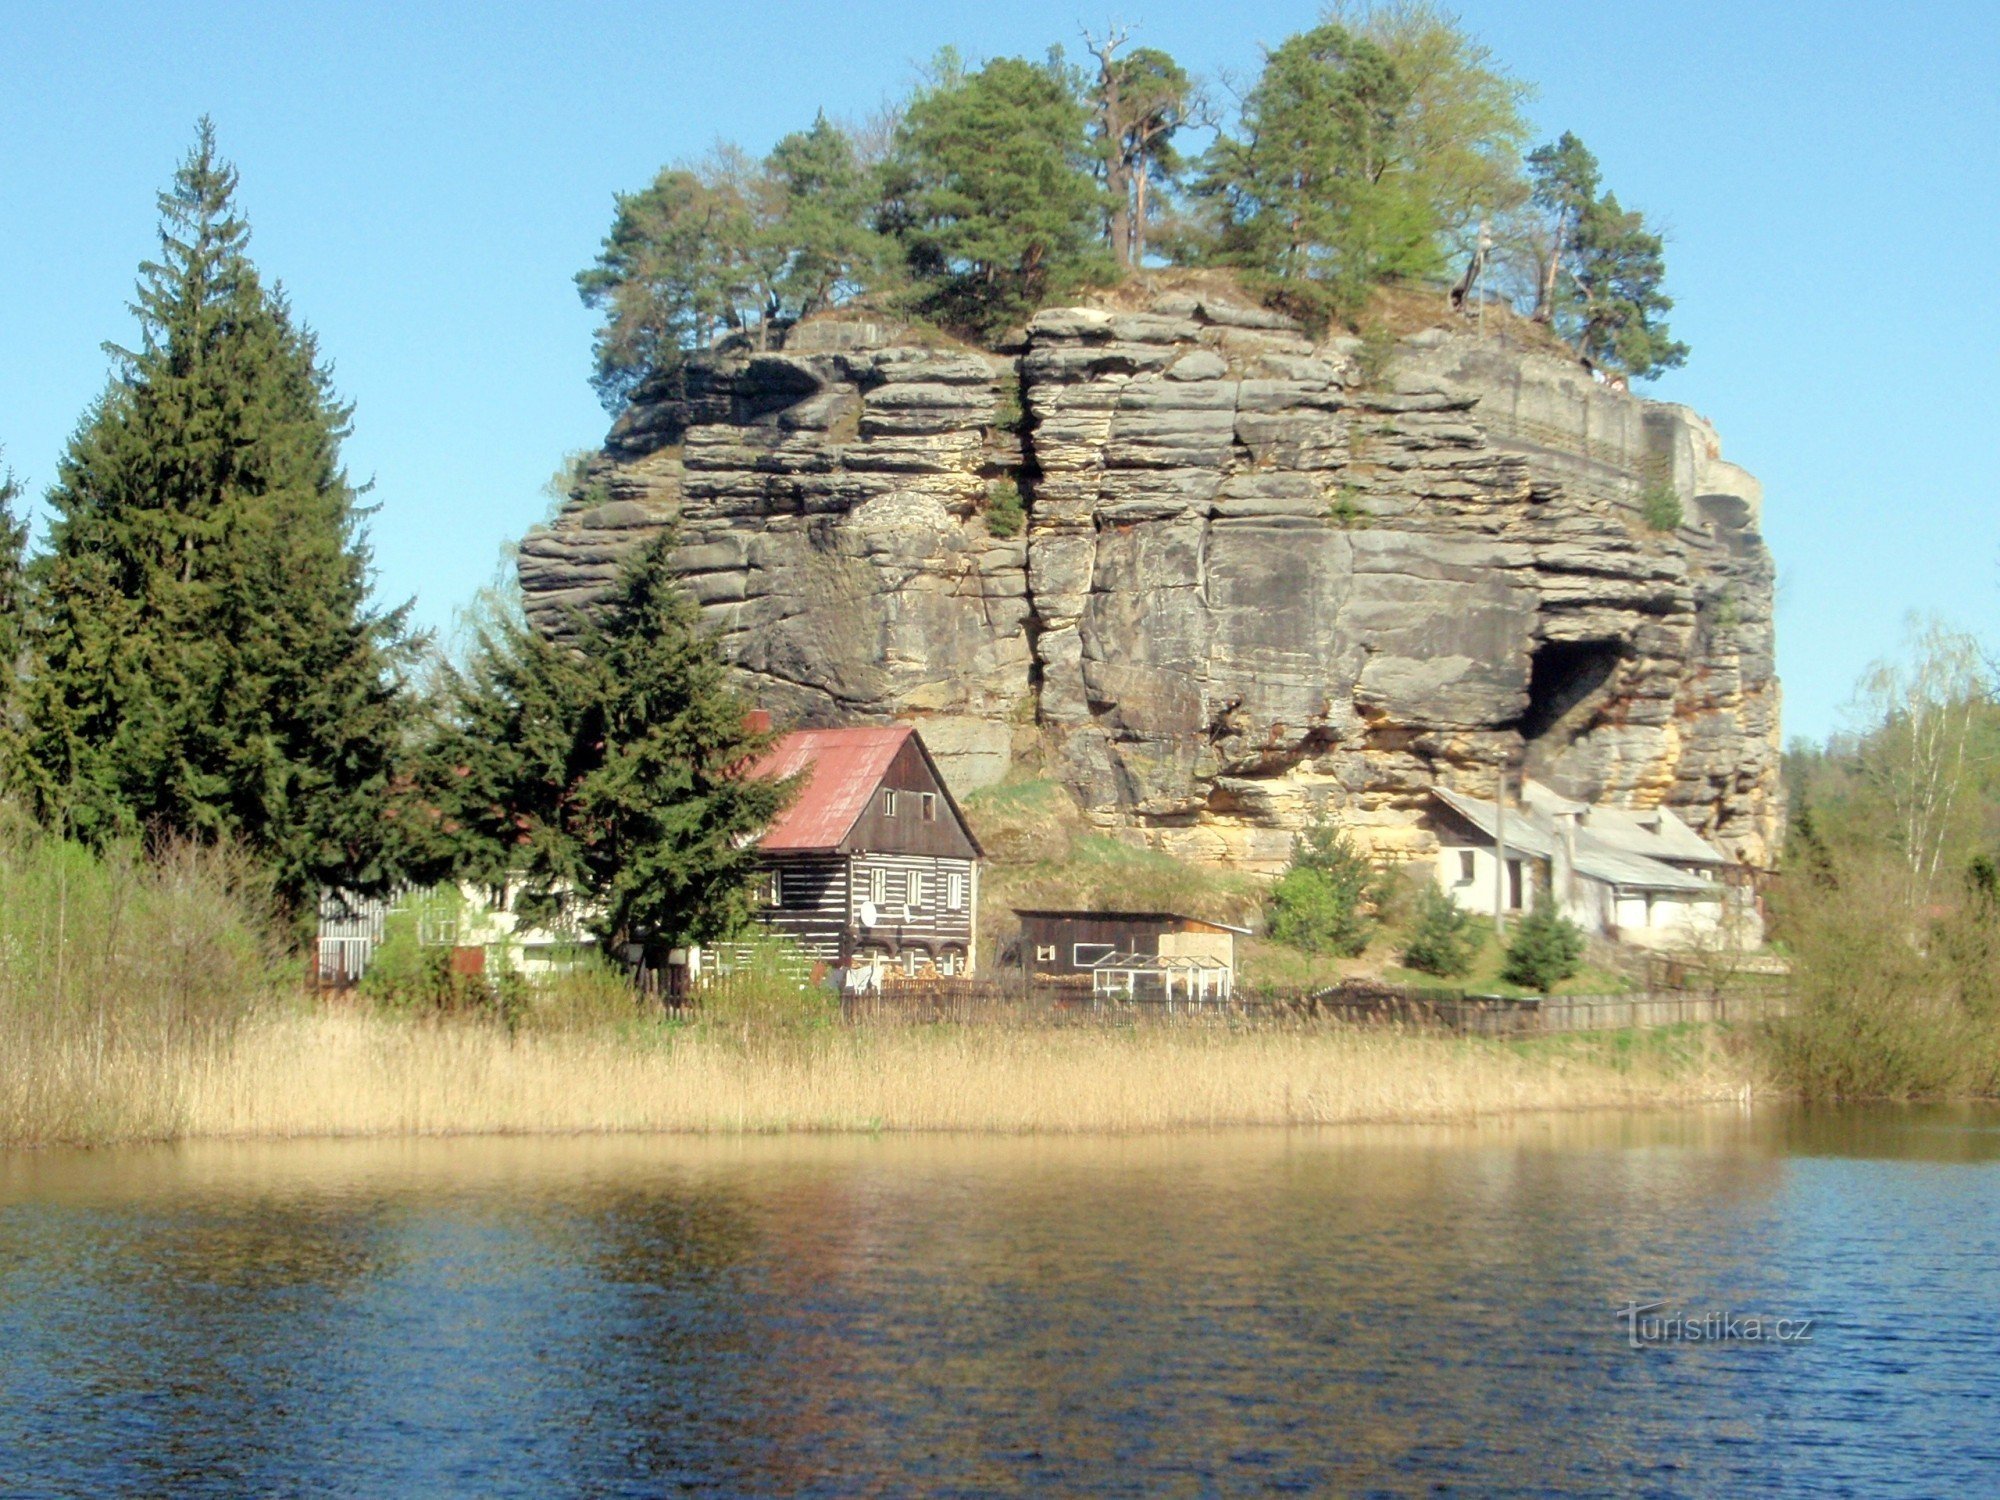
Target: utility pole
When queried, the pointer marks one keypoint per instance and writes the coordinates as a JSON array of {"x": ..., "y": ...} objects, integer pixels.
[{"x": 1500, "y": 857}]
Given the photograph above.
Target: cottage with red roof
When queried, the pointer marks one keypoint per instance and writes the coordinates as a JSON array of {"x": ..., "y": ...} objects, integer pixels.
[{"x": 873, "y": 864}]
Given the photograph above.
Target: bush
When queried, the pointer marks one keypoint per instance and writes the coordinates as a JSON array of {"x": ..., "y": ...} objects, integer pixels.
[
  {"x": 1546, "y": 949},
  {"x": 1445, "y": 938},
  {"x": 120, "y": 971},
  {"x": 769, "y": 991},
  {"x": 1885, "y": 1005},
  {"x": 1006, "y": 508},
  {"x": 1660, "y": 505},
  {"x": 1320, "y": 903}
]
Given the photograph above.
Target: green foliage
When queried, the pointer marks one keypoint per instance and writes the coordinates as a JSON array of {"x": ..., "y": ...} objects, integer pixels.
[
  {"x": 1603, "y": 284},
  {"x": 603, "y": 779},
  {"x": 1007, "y": 413},
  {"x": 769, "y": 991},
  {"x": 1347, "y": 512},
  {"x": 1321, "y": 902},
  {"x": 114, "y": 963},
  {"x": 1886, "y": 1000},
  {"x": 13, "y": 600},
  {"x": 1141, "y": 102},
  {"x": 1444, "y": 937},
  {"x": 1370, "y": 149},
  {"x": 205, "y": 663},
  {"x": 1378, "y": 348},
  {"x": 730, "y": 245},
  {"x": 411, "y": 977},
  {"x": 1660, "y": 505},
  {"x": 1006, "y": 508},
  {"x": 1544, "y": 949},
  {"x": 990, "y": 191}
]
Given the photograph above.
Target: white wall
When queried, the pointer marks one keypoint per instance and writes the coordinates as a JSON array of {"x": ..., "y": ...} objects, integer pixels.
[{"x": 1477, "y": 893}]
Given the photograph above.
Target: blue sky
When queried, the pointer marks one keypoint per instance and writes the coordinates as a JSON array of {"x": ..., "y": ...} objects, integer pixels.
[{"x": 425, "y": 180}]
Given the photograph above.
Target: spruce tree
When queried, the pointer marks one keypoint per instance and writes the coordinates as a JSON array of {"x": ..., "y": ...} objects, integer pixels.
[
  {"x": 601, "y": 778},
  {"x": 13, "y": 540},
  {"x": 205, "y": 660}
]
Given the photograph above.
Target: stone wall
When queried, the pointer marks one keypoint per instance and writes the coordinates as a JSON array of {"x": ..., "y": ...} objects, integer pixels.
[{"x": 1258, "y": 580}]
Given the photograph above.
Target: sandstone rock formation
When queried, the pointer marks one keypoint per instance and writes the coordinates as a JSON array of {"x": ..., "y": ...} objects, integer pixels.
[{"x": 1259, "y": 579}]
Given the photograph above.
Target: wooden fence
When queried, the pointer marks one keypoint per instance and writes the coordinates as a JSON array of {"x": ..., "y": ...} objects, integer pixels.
[{"x": 1360, "y": 1004}]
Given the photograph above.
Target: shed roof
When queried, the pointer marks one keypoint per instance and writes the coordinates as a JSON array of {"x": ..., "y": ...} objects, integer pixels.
[
  {"x": 1127, "y": 916},
  {"x": 842, "y": 769}
]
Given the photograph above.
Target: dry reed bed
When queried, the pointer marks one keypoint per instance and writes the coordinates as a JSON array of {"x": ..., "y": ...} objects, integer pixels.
[{"x": 353, "y": 1075}]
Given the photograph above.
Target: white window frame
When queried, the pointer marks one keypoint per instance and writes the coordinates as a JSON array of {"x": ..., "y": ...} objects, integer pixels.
[
  {"x": 878, "y": 886},
  {"x": 774, "y": 888},
  {"x": 888, "y": 802},
  {"x": 1468, "y": 866},
  {"x": 1045, "y": 953},
  {"x": 954, "y": 890},
  {"x": 1100, "y": 952},
  {"x": 913, "y": 890},
  {"x": 927, "y": 806}
]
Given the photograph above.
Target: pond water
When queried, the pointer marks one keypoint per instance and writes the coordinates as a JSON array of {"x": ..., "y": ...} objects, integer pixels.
[{"x": 1390, "y": 1310}]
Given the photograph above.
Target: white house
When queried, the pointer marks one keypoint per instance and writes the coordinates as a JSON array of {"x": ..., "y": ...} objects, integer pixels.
[
  {"x": 483, "y": 935},
  {"x": 1640, "y": 877}
]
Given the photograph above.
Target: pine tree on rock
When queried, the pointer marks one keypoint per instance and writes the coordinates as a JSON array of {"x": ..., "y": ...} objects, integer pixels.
[{"x": 205, "y": 660}]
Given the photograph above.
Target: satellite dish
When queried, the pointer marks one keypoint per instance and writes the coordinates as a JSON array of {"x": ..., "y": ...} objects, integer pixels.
[{"x": 868, "y": 914}]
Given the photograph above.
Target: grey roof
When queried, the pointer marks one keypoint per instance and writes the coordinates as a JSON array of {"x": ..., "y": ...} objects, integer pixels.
[
  {"x": 1526, "y": 832},
  {"x": 1656, "y": 834},
  {"x": 1614, "y": 845},
  {"x": 1634, "y": 871}
]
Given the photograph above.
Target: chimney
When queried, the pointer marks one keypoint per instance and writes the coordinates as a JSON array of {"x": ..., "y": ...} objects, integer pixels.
[{"x": 757, "y": 721}]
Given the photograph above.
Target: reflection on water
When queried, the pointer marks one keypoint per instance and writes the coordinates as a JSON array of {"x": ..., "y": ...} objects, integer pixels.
[{"x": 1392, "y": 1309}]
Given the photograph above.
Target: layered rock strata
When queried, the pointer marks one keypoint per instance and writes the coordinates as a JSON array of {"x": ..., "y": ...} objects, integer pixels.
[{"x": 1259, "y": 580}]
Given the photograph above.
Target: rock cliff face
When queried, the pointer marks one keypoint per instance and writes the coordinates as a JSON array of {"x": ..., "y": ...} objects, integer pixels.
[{"x": 1259, "y": 579}]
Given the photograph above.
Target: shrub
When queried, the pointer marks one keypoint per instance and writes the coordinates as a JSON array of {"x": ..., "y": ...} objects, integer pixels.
[
  {"x": 1546, "y": 949},
  {"x": 1376, "y": 351},
  {"x": 1347, "y": 512},
  {"x": 1884, "y": 1005},
  {"x": 1445, "y": 937},
  {"x": 118, "y": 973},
  {"x": 770, "y": 990},
  {"x": 1320, "y": 903},
  {"x": 1006, "y": 508},
  {"x": 1660, "y": 505}
]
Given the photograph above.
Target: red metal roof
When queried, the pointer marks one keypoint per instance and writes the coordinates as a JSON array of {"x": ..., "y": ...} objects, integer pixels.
[{"x": 843, "y": 767}]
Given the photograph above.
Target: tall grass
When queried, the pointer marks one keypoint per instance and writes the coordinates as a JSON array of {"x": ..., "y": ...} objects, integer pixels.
[
  {"x": 360, "y": 1075},
  {"x": 117, "y": 974},
  {"x": 140, "y": 999}
]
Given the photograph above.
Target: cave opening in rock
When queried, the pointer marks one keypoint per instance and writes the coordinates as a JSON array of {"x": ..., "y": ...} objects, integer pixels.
[{"x": 1563, "y": 677}]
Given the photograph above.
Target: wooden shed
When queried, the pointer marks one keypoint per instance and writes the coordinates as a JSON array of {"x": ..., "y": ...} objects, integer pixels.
[{"x": 1131, "y": 952}]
